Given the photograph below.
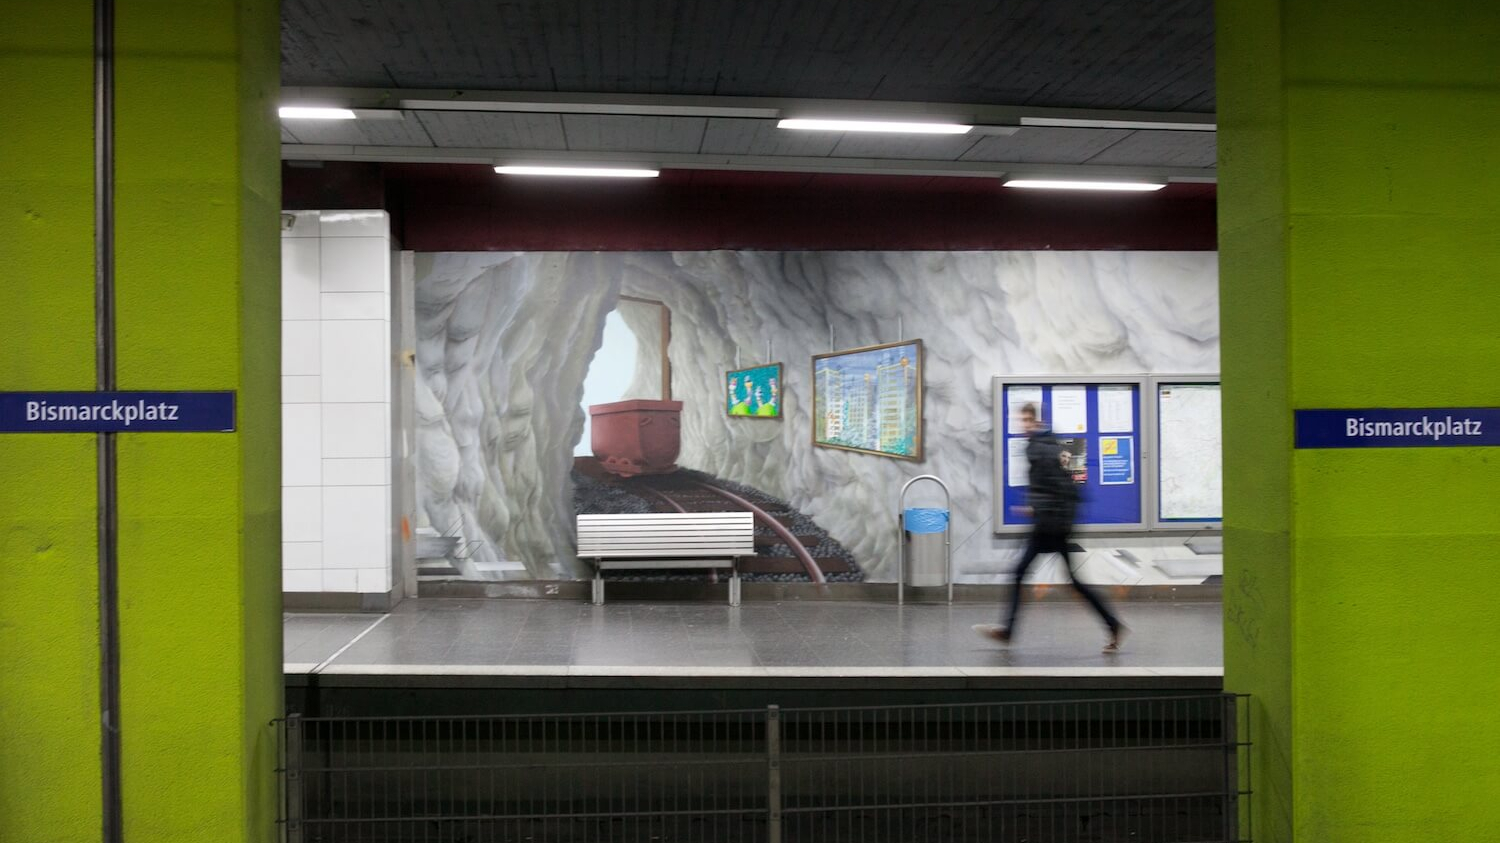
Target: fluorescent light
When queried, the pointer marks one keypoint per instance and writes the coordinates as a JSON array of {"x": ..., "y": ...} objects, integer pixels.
[
  {"x": 1062, "y": 184},
  {"x": 597, "y": 172},
  {"x": 821, "y": 125},
  {"x": 300, "y": 112}
]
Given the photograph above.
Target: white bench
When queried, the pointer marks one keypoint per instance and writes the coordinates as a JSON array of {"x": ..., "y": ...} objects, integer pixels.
[{"x": 658, "y": 540}]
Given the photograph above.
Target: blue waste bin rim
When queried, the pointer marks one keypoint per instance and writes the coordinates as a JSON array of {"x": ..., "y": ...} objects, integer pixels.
[{"x": 925, "y": 520}]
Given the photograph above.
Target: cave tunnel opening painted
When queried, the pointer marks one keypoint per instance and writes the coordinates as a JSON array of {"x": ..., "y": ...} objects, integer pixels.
[{"x": 553, "y": 384}]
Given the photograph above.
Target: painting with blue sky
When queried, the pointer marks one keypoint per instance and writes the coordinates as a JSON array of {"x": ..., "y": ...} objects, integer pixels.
[{"x": 870, "y": 400}]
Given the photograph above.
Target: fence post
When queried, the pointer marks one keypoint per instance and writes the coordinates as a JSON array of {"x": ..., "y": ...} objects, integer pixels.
[
  {"x": 292, "y": 778},
  {"x": 773, "y": 774},
  {"x": 1230, "y": 731}
]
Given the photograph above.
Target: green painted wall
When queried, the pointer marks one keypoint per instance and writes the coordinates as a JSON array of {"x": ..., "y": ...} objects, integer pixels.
[
  {"x": 198, "y": 308},
  {"x": 1360, "y": 266},
  {"x": 49, "y": 652}
]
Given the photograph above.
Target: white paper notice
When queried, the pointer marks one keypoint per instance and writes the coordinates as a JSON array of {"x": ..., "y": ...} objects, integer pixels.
[
  {"x": 1017, "y": 397},
  {"x": 1018, "y": 470},
  {"x": 1070, "y": 409},
  {"x": 1115, "y": 412}
]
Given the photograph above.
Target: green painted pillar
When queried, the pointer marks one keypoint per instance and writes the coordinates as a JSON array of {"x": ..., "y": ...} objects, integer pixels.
[
  {"x": 197, "y": 297},
  {"x": 49, "y": 650},
  {"x": 1359, "y": 161}
]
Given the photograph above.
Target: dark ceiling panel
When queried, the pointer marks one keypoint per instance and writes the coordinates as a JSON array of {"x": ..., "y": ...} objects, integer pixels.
[
  {"x": 1038, "y": 145},
  {"x": 488, "y": 130},
  {"x": 1144, "y": 54},
  {"x": 732, "y": 136},
  {"x": 614, "y": 133},
  {"x": 920, "y": 147},
  {"x": 1167, "y": 149},
  {"x": 405, "y": 132}
]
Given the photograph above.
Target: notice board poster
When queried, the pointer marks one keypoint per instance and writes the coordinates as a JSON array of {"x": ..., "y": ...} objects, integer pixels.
[
  {"x": 1106, "y": 466},
  {"x": 1116, "y": 460},
  {"x": 1190, "y": 471}
]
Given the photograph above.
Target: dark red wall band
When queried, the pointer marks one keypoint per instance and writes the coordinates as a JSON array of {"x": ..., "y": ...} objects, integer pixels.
[{"x": 461, "y": 207}]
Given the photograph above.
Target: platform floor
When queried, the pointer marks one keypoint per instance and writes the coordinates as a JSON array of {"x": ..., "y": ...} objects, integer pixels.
[{"x": 476, "y": 637}]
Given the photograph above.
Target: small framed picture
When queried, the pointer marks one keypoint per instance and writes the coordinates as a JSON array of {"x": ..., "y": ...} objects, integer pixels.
[{"x": 753, "y": 393}]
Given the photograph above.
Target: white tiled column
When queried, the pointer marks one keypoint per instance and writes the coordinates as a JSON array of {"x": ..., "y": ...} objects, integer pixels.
[{"x": 336, "y": 402}]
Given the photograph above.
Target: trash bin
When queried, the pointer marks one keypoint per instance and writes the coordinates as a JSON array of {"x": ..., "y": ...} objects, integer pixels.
[
  {"x": 927, "y": 558},
  {"x": 924, "y": 550}
]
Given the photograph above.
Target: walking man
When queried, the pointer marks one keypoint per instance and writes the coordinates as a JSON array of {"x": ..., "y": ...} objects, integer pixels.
[{"x": 1052, "y": 503}]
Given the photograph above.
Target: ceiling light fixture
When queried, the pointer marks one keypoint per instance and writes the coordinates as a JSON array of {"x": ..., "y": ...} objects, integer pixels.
[
  {"x": 595, "y": 172},
  {"x": 1068, "y": 184},
  {"x": 304, "y": 112},
  {"x": 891, "y": 126}
]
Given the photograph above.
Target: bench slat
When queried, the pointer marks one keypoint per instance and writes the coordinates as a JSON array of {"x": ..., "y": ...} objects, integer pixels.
[
  {"x": 649, "y": 564},
  {"x": 716, "y": 545},
  {"x": 648, "y": 517},
  {"x": 747, "y": 538},
  {"x": 673, "y": 531},
  {"x": 666, "y": 539},
  {"x": 637, "y": 552}
]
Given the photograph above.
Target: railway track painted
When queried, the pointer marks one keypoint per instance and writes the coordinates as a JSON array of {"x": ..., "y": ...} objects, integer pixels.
[
  {"x": 677, "y": 495},
  {"x": 814, "y": 572},
  {"x": 790, "y": 547}
]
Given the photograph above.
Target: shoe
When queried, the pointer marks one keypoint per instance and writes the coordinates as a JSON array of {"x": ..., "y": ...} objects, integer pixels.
[
  {"x": 1116, "y": 638},
  {"x": 993, "y": 632}
]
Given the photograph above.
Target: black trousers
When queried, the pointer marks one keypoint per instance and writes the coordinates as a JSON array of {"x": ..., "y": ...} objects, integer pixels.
[{"x": 1054, "y": 540}]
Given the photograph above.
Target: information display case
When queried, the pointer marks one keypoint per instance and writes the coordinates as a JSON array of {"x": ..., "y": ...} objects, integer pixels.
[
  {"x": 1145, "y": 450},
  {"x": 1100, "y": 423},
  {"x": 1187, "y": 437}
]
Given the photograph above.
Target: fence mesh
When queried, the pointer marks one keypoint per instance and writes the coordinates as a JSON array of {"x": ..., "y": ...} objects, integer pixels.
[{"x": 1161, "y": 769}]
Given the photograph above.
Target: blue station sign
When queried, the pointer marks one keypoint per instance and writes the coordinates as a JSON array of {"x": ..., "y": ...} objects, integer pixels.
[
  {"x": 116, "y": 412},
  {"x": 1449, "y": 427}
]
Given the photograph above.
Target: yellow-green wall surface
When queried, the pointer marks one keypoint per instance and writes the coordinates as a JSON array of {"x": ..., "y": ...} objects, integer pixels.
[
  {"x": 49, "y": 651},
  {"x": 1359, "y": 154},
  {"x": 198, "y": 308}
]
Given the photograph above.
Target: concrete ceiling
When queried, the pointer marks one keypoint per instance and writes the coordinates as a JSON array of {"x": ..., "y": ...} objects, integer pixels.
[{"x": 620, "y": 70}]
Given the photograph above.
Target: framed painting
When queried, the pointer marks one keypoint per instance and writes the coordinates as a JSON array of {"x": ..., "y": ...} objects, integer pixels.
[
  {"x": 870, "y": 400},
  {"x": 753, "y": 393}
]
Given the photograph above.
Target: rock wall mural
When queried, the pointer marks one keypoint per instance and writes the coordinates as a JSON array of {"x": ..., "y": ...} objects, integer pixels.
[{"x": 505, "y": 341}]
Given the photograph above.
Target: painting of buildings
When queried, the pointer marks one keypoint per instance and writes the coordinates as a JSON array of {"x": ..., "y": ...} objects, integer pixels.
[{"x": 870, "y": 400}]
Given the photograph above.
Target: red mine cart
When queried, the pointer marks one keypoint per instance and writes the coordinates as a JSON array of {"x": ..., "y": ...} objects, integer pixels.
[{"x": 637, "y": 437}]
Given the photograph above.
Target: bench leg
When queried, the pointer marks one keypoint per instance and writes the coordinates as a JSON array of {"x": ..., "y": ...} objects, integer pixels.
[
  {"x": 598, "y": 584},
  {"x": 734, "y": 586}
]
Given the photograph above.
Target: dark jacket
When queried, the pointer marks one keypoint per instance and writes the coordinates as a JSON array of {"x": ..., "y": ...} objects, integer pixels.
[{"x": 1052, "y": 494}]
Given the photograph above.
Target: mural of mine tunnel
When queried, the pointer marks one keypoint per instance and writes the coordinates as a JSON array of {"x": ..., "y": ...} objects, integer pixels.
[
  {"x": 514, "y": 348},
  {"x": 631, "y": 467}
]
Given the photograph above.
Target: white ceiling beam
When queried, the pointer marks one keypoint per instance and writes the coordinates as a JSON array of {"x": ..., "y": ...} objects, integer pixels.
[
  {"x": 764, "y": 108},
  {"x": 761, "y": 163}
]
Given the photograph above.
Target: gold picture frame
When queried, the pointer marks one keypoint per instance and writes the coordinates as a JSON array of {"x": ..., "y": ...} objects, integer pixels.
[{"x": 883, "y": 415}]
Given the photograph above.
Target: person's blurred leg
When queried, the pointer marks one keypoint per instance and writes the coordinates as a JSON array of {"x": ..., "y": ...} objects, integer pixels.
[
  {"x": 1090, "y": 594},
  {"x": 1033, "y": 549}
]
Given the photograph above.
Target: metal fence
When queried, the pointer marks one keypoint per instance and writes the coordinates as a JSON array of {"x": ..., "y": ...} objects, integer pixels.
[{"x": 1160, "y": 769}]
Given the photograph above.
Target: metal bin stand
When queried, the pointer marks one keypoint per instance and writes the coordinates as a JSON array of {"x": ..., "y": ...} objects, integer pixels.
[{"x": 924, "y": 525}]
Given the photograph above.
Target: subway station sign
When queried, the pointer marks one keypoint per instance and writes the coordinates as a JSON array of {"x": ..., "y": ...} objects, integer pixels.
[
  {"x": 1447, "y": 427},
  {"x": 116, "y": 412}
]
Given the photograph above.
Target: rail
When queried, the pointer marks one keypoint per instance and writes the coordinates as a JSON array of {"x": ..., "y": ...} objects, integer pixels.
[
  {"x": 809, "y": 564},
  {"x": 713, "y": 573},
  {"x": 1170, "y": 769}
]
